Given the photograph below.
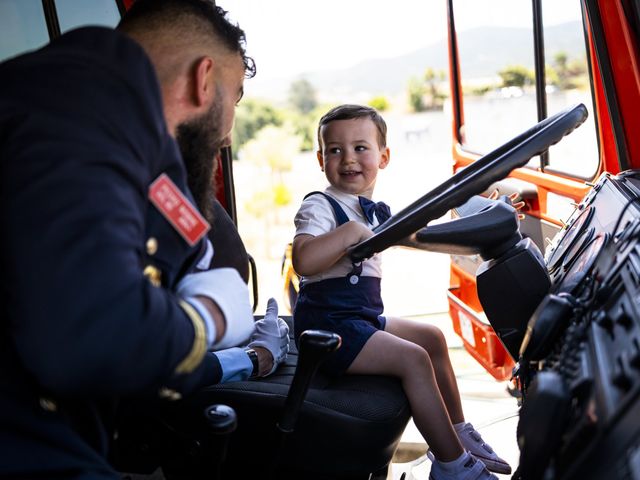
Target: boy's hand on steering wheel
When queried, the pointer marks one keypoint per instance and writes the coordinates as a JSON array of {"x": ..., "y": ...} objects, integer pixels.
[
  {"x": 360, "y": 232},
  {"x": 512, "y": 198}
]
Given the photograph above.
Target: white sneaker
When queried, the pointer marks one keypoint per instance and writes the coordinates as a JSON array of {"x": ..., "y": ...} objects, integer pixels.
[
  {"x": 471, "y": 470},
  {"x": 472, "y": 441}
]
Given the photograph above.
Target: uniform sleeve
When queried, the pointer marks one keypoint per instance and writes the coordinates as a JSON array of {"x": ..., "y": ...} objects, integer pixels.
[
  {"x": 314, "y": 217},
  {"x": 235, "y": 364}
]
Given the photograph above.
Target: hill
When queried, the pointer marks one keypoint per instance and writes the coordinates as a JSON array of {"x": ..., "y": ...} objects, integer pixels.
[{"x": 389, "y": 76}]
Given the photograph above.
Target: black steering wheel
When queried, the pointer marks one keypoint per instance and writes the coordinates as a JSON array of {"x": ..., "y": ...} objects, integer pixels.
[{"x": 472, "y": 180}]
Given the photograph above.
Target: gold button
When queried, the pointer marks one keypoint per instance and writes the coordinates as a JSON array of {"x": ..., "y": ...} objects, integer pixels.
[
  {"x": 153, "y": 274},
  {"x": 48, "y": 404},
  {"x": 169, "y": 394},
  {"x": 152, "y": 246}
]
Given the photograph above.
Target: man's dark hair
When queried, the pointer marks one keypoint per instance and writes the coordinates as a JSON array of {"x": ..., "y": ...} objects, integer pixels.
[
  {"x": 189, "y": 16},
  {"x": 349, "y": 112}
]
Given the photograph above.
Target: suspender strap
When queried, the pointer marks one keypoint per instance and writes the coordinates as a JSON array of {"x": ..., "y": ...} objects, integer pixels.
[{"x": 341, "y": 217}]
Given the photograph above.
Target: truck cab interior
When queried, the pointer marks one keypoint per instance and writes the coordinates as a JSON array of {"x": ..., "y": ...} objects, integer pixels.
[{"x": 549, "y": 301}]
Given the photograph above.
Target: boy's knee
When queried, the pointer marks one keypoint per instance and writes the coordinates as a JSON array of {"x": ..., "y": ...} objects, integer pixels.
[
  {"x": 437, "y": 340},
  {"x": 417, "y": 357},
  {"x": 440, "y": 338}
]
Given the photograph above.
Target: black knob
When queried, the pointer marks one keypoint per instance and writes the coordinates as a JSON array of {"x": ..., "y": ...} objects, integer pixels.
[
  {"x": 634, "y": 359},
  {"x": 604, "y": 320},
  {"x": 624, "y": 318},
  {"x": 581, "y": 387},
  {"x": 221, "y": 419},
  {"x": 320, "y": 341},
  {"x": 620, "y": 376}
]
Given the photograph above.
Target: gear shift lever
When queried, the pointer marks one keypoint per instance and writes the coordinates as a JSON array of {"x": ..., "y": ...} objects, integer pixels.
[{"x": 314, "y": 347}]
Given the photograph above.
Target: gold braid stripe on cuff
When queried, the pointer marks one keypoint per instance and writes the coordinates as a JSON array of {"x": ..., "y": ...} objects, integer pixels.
[{"x": 195, "y": 356}]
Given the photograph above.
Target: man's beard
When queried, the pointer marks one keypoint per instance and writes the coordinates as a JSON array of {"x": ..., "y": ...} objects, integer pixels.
[{"x": 200, "y": 141}]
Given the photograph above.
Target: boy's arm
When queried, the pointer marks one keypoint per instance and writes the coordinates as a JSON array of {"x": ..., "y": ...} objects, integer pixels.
[{"x": 314, "y": 254}]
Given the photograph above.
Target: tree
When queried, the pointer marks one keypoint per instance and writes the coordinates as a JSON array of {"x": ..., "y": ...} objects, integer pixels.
[
  {"x": 424, "y": 93},
  {"x": 415, "y": 91},
  {"x": 551, "y": 75},
  {"x": 380, "y": 103},
  {"x": 251, "y": 116},
  {"x": 568, "y": 73},
  {"x": 306, "y": 125},
  {"x": 273, "y": 147},
  {"x": 302, "y": 96},
  {"x": 432, "y": 80},
  {"x": 516, "y": 76},
  {"x": 272, "y": 150}
]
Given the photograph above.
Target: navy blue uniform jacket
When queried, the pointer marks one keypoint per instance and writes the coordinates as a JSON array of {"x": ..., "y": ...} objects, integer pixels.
[{"x": 82, "y": 136}]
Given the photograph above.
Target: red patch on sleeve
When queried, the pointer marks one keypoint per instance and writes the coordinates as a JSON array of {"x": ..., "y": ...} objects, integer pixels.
[{"x": 177, "y": 209}]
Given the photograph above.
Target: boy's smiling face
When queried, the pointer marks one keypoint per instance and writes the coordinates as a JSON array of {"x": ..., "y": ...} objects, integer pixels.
[{"x": 350, "y": 155}]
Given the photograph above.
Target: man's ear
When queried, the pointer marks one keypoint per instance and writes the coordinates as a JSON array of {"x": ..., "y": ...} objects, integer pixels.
[
  {"x": 385, "y": 157},
  {"x": 320, "y": 159},
  {"x": 203, "y": 81}
]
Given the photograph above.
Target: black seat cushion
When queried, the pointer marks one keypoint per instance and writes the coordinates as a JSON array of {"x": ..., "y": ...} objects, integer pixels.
[{"x": 349, "y": 424}]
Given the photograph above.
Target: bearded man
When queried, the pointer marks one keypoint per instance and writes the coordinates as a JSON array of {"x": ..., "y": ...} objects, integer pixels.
[{"x": 100, "y": 297}]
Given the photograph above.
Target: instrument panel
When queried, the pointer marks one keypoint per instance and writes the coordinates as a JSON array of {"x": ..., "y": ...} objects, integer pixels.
[{"x": 584, "y": 396}]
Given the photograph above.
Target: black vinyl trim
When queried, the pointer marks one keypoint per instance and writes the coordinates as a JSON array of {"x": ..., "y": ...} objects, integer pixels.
[
  {"x": 596, "y": 119},
  {"x": 121, "y": 8},
  {"x": 632, "y": 12},
  {"x": 229, "y": 186},
  {"x": 457, "y": 106},
  {"x": 604, "y": 62},
  {"x": 539, "y": 60},
  {"x": 51, "y": 17},
  {"x": 253, "y": 268}
]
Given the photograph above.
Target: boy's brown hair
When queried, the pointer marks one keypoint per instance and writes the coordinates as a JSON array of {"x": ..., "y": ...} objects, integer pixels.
[{"x": 349, "y": 112}]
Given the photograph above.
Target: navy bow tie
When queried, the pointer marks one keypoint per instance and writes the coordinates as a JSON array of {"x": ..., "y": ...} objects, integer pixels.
[{"x": 369, "y": 207}]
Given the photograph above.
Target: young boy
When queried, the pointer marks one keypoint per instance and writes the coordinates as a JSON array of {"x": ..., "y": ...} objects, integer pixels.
[{"x": 339, "y": 296}]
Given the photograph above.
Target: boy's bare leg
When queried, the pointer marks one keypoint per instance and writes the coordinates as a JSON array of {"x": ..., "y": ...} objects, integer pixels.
[
  {"x": 432, "y": 340},
  {"x": 387, "y": 354}
]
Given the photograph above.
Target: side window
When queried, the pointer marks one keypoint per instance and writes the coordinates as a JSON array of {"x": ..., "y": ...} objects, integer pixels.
[
  {"x": 567, "y": 79},
  {"x": 496, "y": 57},
  {"x": 22, "y": 27},
  {"x": 74, "y": 13}
]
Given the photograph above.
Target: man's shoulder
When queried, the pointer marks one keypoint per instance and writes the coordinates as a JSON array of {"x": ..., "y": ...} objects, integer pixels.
[
  {"x": 97, "y": 76},
  {"x": 96, "y": 50},
  {"x": 105, "y": 48}
]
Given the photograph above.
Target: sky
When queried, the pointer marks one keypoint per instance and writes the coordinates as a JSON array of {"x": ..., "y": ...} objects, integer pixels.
[{"x": 291, "y": 37}]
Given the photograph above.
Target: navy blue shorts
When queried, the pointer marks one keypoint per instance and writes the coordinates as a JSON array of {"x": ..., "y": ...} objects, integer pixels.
[{"x": 352, "y": 311}]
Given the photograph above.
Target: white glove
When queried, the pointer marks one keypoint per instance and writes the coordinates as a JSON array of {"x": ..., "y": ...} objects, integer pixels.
[
  {"x": 272, "y": 333},
  {"x": 227, "y": 289}
]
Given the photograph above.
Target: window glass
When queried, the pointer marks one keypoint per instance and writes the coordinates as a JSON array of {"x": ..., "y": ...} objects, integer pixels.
[
  {"x": 495, "y": 50},
  {"x": 567, "y": 82},
  {"x": 22, "y": 27},
  {"x": 496, "y": 54},
  {"x": 76, "y": 13}
]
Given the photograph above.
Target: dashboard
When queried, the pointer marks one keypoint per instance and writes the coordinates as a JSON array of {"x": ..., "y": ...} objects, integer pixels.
[{"x": 579, "y": 368}]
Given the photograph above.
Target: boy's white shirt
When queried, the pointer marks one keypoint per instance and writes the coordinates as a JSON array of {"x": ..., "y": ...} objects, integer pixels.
[{"x": 316, "y": 217}]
